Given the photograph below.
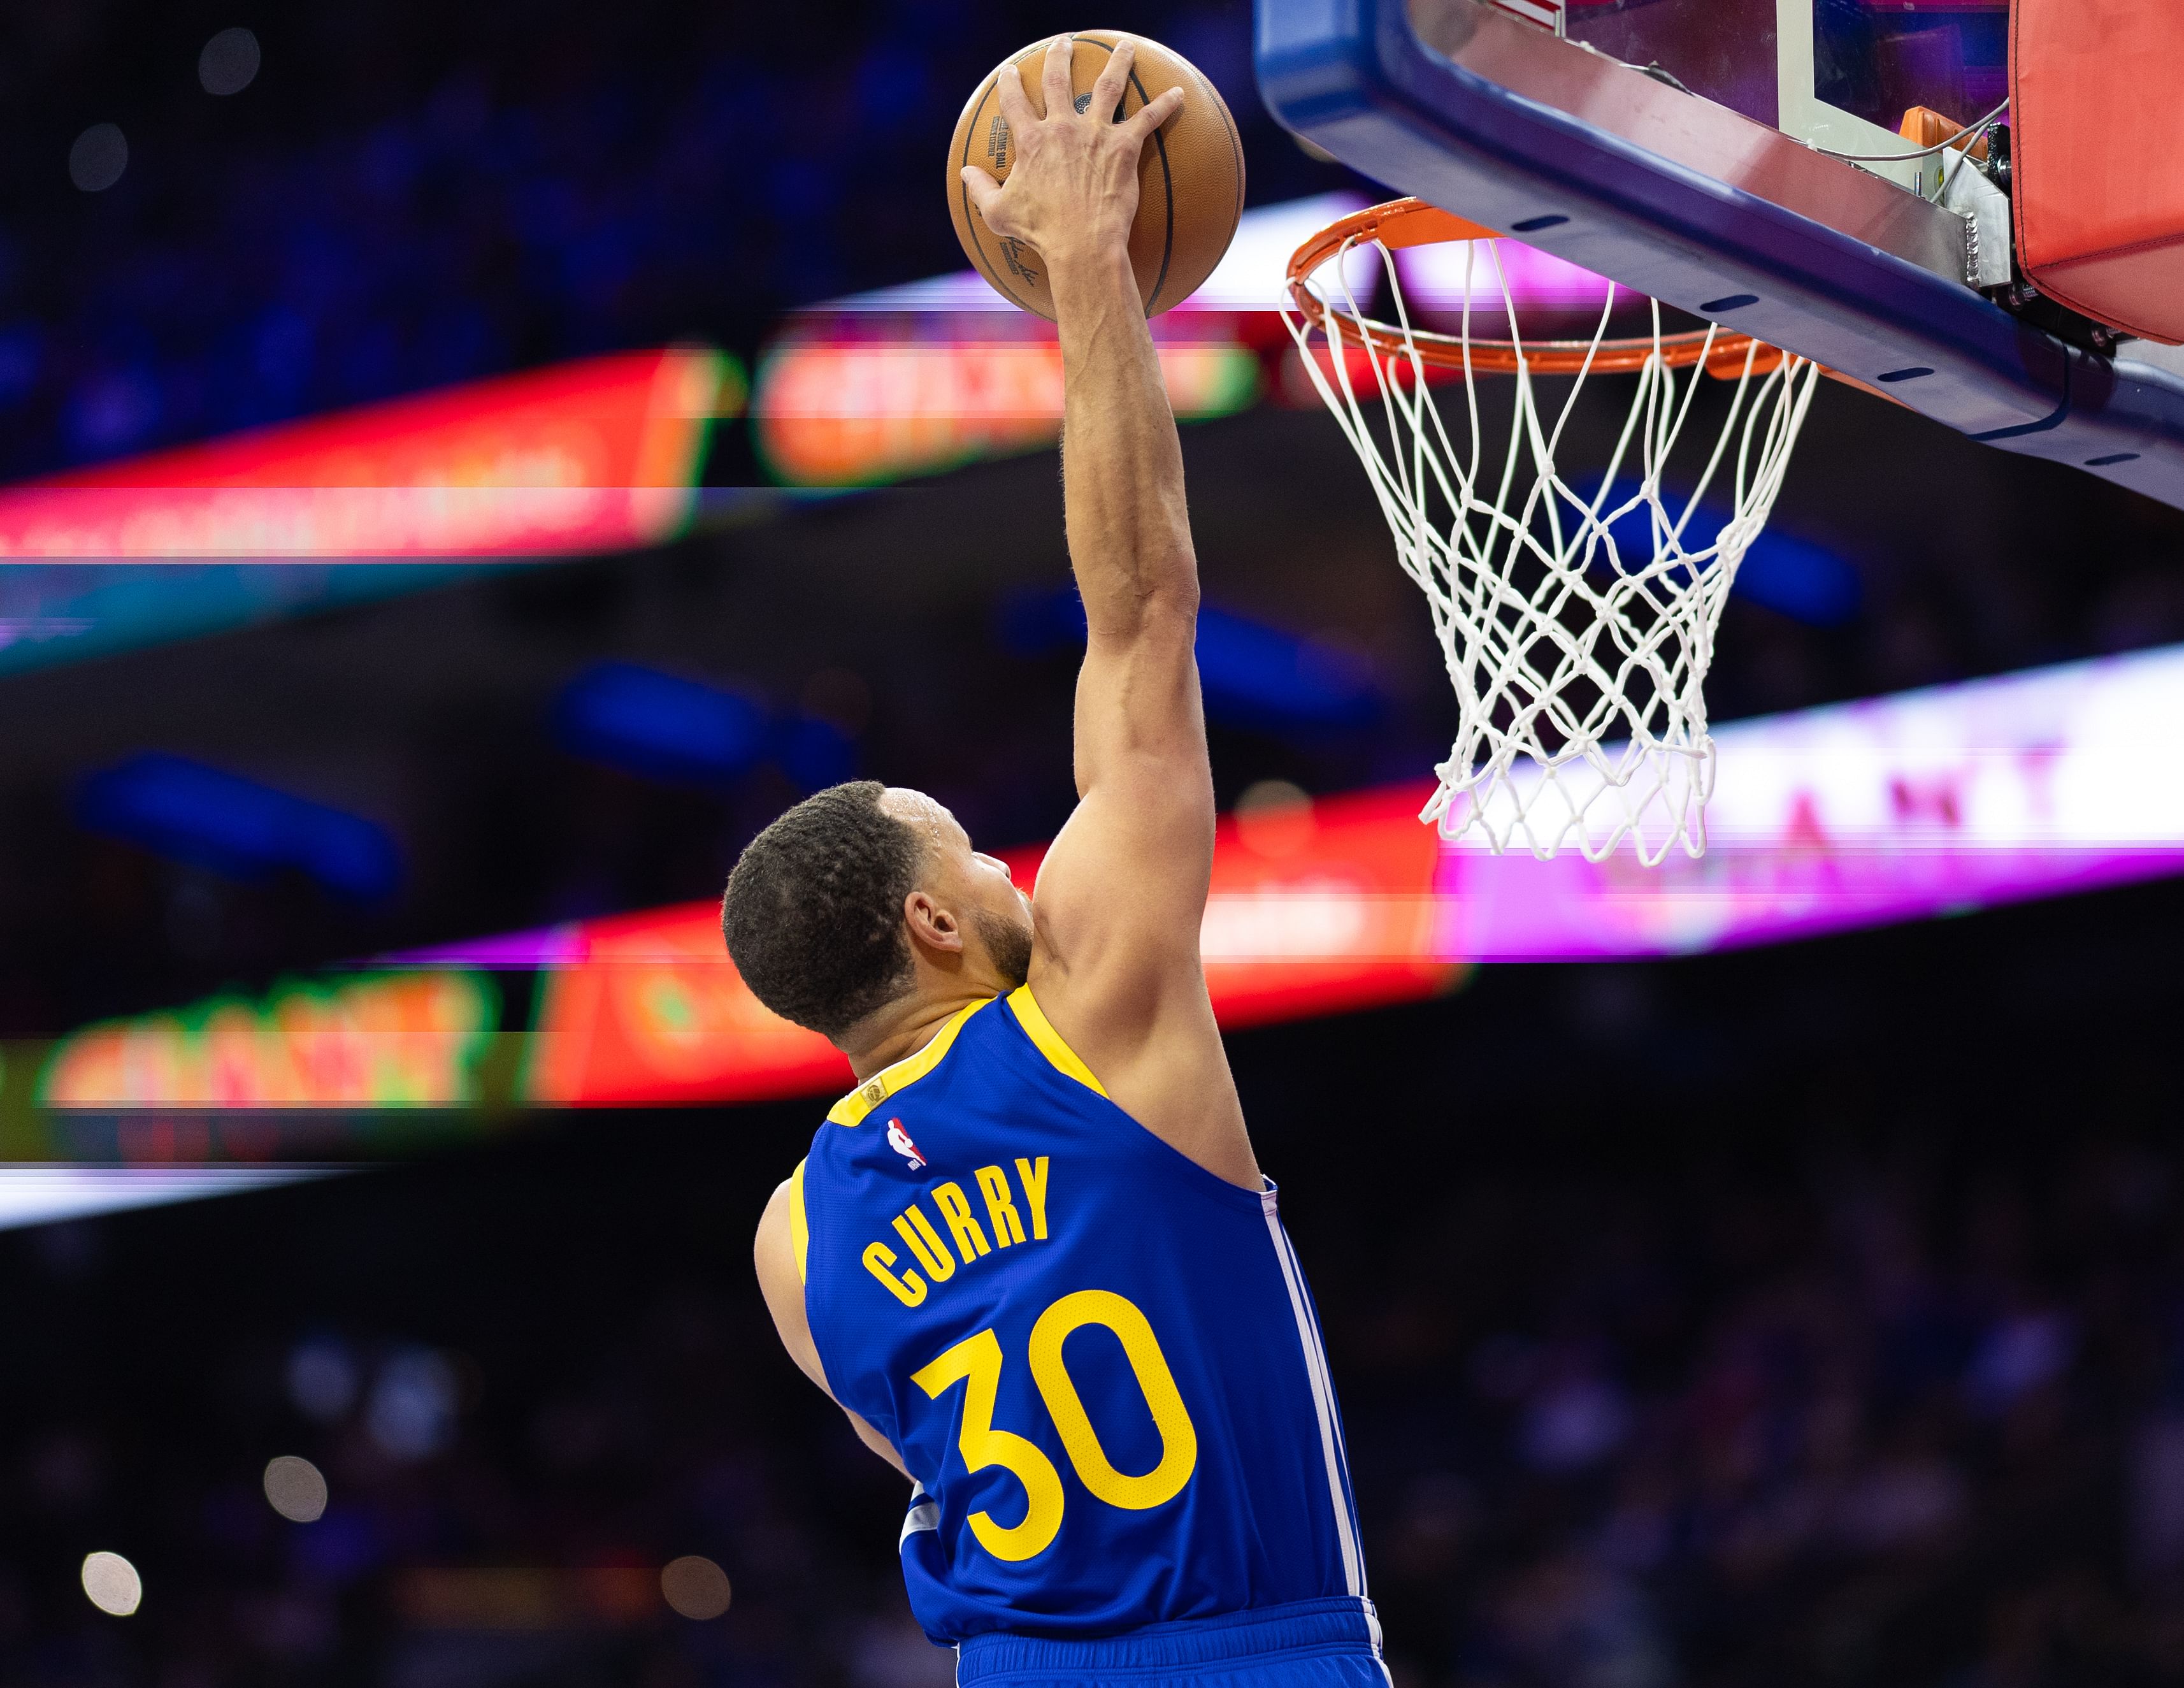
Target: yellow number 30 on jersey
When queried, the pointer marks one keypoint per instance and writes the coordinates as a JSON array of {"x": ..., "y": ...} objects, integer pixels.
[{"x": 975, "y": 1362}]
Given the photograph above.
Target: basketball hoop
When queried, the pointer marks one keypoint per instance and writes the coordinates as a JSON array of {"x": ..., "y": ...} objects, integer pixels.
[{"x": 1553, "y": 639}]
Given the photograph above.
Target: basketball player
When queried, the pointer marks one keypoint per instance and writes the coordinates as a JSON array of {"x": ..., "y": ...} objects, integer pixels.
[{"x": 1031, "y": 1255}]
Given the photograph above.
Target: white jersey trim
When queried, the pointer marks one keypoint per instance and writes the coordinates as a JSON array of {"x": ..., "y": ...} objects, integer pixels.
[
  {"x": 1318, "y": 1346},
  {"x": 1323, "y": 1398},
  {"x": 924, "y": 1515}
]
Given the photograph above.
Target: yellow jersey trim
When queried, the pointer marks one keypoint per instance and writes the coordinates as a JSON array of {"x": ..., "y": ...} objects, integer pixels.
[
  {"x": 1041, "y": 1031},
  {"x": 800, "y": 1228},
  {"x": 852, "y": 1108}
]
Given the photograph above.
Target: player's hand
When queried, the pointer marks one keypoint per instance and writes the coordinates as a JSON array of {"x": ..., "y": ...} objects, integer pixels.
[{"x": 1073, "y": 191}]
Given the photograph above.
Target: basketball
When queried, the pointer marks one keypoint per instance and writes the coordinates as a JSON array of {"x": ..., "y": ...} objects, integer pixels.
[{"x": 1191, "y": 181}]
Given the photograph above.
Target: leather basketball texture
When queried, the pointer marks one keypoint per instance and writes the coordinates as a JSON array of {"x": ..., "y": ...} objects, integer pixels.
[{"x": 1191, "y": 181}]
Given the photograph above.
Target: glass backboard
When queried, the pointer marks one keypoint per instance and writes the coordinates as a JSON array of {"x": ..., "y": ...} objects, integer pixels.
[
  {"x": 1840, "y": 73},
  {"x": 1695, "y": 151}
]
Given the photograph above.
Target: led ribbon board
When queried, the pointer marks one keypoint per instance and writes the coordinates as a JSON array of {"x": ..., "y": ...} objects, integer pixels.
[
  {"x": 1896, "y": 808},
  {"x": 1925, "y": 803},
  {"x": 379, "y": 1041},
  {"x": 593, "y": 456},
  {"x": 1328, "y": 909}
]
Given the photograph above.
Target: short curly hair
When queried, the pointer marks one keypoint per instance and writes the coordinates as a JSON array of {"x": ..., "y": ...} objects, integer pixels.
[{"x": 813, "y": 911}]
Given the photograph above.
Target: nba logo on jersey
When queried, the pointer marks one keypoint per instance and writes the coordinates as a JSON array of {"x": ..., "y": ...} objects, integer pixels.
[{"x": 899, "y": 1140}]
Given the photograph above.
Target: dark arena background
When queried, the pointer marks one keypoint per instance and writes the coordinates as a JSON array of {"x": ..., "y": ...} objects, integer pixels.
[{"x": 466, "y": 477}]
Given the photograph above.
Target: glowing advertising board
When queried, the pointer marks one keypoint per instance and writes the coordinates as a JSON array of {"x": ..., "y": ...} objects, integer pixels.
[
  {"x": 1323, "y": 908},
  {"x": 39, "y": 1195},
  {"x": 648, "y": 1008},
  {"x": 590, "y": 456},
  {"x": 1327, "y": 908},
  {"x": 1893, "y": 808},
  {"x": 834, "y": 409},
  {"x": 1896, "y": 808},
  {"x": 911, "y": 379},
  {"x": 923, "y": 376},
  {"x": 378, "y": 1041}
]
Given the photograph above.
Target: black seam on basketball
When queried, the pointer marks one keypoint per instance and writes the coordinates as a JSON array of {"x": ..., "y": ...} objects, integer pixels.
[
  {"x": 1168, "y": 186},
  {"x": 1168, "y": 180},
  {"x": 971, "y": 219}
]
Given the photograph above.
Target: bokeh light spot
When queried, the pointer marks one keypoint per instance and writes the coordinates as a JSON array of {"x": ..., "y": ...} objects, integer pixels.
[
  {"x": 411, "y": 1413},
  {"x": 112, "y": 1585},
  {"x": 322, "y": 1380},
  {"x": 98, "y": 156},
  {"x": 1274, "y": 818},
  {"x": 229, "y": 62},
  {"x": 695, "y": 1587},
  {"x": 295, "y": 1489}
]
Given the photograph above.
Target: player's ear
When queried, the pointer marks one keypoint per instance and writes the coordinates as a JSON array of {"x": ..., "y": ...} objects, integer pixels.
[{"x": 930, "y": 924}]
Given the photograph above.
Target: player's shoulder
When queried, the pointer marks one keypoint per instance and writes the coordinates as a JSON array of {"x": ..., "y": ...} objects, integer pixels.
[
  {"x": 783, "y": 1239},
  {"x": 773, "y": 1233}
]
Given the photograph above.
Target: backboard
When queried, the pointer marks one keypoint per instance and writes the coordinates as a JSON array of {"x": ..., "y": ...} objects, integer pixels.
[
  {"x": 1839, "y": 74},
  {"x": 1691, "y": 149}
]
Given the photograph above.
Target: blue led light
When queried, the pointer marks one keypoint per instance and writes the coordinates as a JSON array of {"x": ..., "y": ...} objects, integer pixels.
[
  {"x": 1251, "y": 675},
  {"x": 660, "y": 726},
  {"x": 209, "y": 818},
  {"x": 814, "y": 754},
  {"x": 1792, "y": 576},
  {"x": 1256, "y": 676}
]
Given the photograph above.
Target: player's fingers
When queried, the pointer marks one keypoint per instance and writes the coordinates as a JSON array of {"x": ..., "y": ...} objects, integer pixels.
[
  {"x": 1157, "y": 111},
  {"x": 1107, "y": 92},
  {"x": 1016, "y": 104},
  {"x": 982, "y": 188},
  {"x": 1059, "y": 55}
]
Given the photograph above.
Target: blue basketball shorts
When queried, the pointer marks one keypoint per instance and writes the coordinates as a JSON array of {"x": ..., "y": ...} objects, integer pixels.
[{"x": 1307, "y": 1643}]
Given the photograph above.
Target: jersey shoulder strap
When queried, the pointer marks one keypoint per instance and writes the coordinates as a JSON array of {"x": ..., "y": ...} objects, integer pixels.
[
  {"x": 1048, "y": 1041},
  {"x": 851, "y": 1110}
]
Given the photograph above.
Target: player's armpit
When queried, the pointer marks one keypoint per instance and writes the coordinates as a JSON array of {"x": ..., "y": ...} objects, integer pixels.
[{"x": 774, "y": 1253}]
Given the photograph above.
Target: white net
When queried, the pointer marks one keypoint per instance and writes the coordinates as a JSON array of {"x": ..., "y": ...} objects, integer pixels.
[{"x": 1577, "y": 621}]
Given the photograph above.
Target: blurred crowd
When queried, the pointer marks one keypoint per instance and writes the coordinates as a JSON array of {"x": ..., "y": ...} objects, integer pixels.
[
  {"x": 406, "y": 195},
  {"x": 1714, "y": 1399},
  {"x": 1882, "y": 1421}
]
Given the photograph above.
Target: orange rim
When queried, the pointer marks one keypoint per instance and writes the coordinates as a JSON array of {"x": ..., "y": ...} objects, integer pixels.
[{"x": 1412, "y": 222}]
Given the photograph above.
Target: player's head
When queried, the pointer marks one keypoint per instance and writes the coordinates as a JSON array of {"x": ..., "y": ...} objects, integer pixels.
[{"x": 866, "y": 894}]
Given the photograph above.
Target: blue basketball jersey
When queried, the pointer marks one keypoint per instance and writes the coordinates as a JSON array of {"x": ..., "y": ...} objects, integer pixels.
[{"x": 1099, "y": 1361}]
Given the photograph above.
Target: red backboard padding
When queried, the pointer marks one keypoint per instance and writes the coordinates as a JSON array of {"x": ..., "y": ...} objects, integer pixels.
[{"x": 2097, "y": 131}]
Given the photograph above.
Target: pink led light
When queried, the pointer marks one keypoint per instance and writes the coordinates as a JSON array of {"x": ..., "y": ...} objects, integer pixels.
[{"x": 1437, "y": 277}]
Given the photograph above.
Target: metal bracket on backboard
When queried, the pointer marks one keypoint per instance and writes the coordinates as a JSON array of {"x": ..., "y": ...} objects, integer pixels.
[
  {"x": 1985, "y": 208},
  {"x": 1569, "y": 150}
]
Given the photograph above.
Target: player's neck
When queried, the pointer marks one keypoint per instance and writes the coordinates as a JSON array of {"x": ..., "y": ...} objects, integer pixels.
[{"x": 900, "y": 1030}]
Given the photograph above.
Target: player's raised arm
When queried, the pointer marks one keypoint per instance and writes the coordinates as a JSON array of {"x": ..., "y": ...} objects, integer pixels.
[{"x": 1123, "y": 892}]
